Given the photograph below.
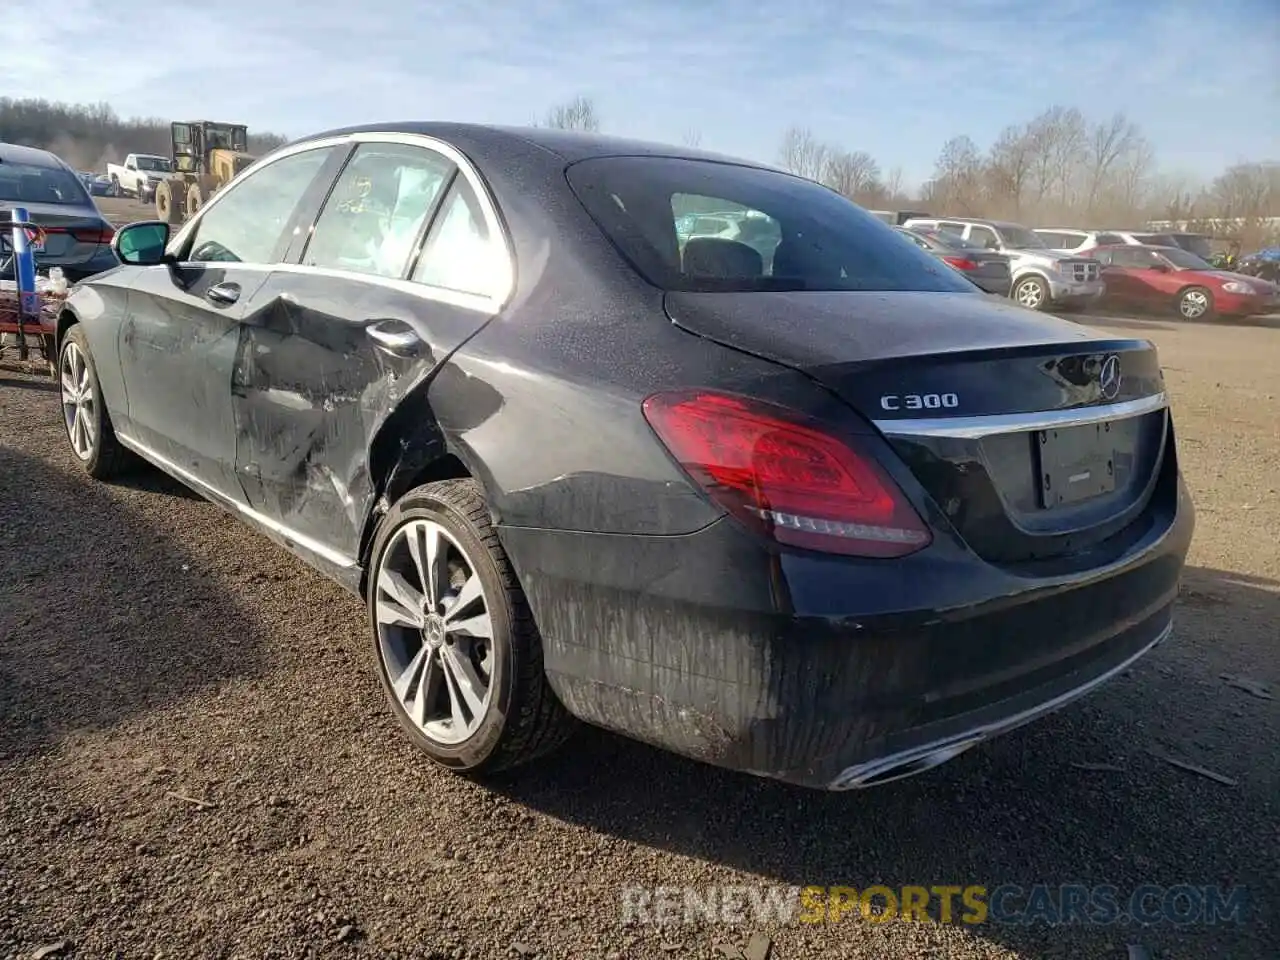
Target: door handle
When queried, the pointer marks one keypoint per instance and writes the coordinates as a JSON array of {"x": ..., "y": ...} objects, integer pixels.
[
  {"x": 223, "y": 293},
  {"x": 395, "y": 337}
]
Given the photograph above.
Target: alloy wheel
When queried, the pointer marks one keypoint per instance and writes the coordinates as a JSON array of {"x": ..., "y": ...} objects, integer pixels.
[
  {"x": 435, "y": 631},
  {"x": 78, "y": 411},
  {"x": 1030, "y": 294},
  {"x": 1194, "y": 304}
]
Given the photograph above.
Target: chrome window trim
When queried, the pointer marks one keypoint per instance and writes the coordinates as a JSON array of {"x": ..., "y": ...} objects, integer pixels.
[
  {"x": 489, "y": 303},
  {"x": 971, "y": 428}
]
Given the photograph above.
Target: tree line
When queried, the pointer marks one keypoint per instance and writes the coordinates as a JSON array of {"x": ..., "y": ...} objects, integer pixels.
[
  {"x": 89, "y": 136},
  {"x": 1059, "y": 168}
]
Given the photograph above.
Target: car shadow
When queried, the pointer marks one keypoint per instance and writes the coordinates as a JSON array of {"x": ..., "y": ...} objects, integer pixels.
[
  {"x": 26, "y": 383},
  {"x": 105, "y": 617},
  {"x": 145, "y": 478},
  {"x": 1085, "y": 796}
]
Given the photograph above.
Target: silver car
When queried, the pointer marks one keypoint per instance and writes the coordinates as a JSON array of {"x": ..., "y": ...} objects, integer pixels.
[{"x": 1042, "y": 278}]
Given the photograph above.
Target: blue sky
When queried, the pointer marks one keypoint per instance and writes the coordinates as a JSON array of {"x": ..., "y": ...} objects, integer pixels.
[{"x": 893, "y": 77}]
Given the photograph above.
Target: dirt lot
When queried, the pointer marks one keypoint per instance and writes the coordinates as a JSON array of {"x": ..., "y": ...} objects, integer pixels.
[{"x": 195, "y": 759}]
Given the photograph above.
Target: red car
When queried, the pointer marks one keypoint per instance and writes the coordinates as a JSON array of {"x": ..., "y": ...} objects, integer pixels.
[{"x": 1162, "y": 277}]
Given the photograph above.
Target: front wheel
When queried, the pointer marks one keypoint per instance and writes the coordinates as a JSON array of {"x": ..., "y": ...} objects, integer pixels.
[
  {"x": 1195, "y": 303},
  {"x": 457, "y": 650},
  {"x": 1032, "y": 293},
  {"x": 84, "y": 414}
]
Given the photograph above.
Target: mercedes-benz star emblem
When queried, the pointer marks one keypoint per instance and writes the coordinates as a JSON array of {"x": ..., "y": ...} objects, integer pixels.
[{"x": 1109, "y": 377}]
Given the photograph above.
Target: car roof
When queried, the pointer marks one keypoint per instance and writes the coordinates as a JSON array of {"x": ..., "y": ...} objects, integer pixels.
[
  {"x": 32, "y": 156},
  {"x": 568, "y": 145},
  {"x": 1140, "y": 246}
]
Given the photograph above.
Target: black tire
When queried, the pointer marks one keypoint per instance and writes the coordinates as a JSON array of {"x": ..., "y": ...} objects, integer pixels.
[
  {"x": 524, "y": 720},
  {"x": 107, "y": 458},
  {"x": 1194, "y": 304},
  {"x": 1031, "y": 292}
]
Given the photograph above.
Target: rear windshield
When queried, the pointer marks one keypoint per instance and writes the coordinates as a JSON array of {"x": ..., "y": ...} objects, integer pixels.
[
  {"x": 779, "y": 232},
  {"x": 25, "y": 183},
  {"x": 1194, "y": 243}
]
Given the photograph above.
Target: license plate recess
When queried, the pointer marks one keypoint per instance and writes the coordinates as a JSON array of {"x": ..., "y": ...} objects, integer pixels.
[{"x": 1076, "y": 464}]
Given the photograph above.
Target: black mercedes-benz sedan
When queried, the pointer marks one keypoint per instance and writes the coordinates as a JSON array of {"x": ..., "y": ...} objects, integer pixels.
[{"x": 814, "y": 508}]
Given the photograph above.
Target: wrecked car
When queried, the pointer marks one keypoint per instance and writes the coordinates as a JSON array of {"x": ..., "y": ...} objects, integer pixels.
[{"x": 831, "y": 516}]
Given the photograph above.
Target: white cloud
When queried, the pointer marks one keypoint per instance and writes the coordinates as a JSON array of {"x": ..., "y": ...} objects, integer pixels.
[{"x": 896, "y": 77}]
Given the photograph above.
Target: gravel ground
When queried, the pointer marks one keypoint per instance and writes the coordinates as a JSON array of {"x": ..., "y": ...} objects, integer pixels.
[{"x": 196, "y": 761}]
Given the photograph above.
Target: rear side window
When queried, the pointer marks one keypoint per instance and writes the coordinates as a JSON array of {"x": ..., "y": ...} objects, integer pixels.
[
  {"x": 1106, "y": 239},
  {"x": 787, "y": 233},
  {"x": 379, "y": 205},
  {"x": 461, "y": 253},
  {"x": 26, "y": 183}
]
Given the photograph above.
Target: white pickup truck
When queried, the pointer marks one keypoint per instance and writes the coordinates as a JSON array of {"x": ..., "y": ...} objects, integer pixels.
[{"x": 139, "y": 174}]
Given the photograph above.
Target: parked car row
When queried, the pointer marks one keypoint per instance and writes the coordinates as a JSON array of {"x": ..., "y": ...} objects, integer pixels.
[{"x": 1116, "y": 268}]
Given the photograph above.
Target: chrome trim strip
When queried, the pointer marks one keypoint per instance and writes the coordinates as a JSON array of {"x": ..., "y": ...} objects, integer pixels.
[
  {"x": 975, "y": 427},
  {"x": 492, "y": 304},
  {"x": 856, "y": 777},
  {"x": 313, "y": 546}
]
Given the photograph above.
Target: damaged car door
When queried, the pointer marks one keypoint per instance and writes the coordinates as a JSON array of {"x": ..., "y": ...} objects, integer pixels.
[
  {"x": 403, "y": 264},
  {"x": 179, "y": 341}
]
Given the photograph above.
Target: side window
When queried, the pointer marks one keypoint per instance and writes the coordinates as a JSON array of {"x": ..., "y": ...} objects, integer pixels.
[
  {"x": 372, "y": 220},
  {"x": 954, "y": 228},
  {"x": 1103, "y": 257},
  {"x": 246, "y": 223},
  {"x": 1109, "y": 238},
  {"x": 460, "y": 253},
  {"x": 1130, "y": 257},
  {"x": 1054, "y": 239},
  {"x": 983, "y": 236}
]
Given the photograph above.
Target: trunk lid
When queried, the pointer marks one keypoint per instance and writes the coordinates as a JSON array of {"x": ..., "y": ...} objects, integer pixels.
[
  {"x": 59, "y": 219},
  {"x": 1036, "y": 437}
]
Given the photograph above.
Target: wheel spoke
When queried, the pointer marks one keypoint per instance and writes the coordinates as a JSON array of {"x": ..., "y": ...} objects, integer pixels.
[
  {"x": 404, "y": 683},
  {"x": 428, "y": 550},
  {"x": 70, "y": 389},
  {"x": 477, "y": 626},
  {"x": 86, "y": 424},
  {"x": 403, "y": 593},
  {"x": 391, "y": 614},
  {"x": 471, "y": 592},
  {"x": 466, "y": 689}
]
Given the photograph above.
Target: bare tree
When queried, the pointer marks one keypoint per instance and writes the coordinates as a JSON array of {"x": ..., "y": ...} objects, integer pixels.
[
  {"x": 803, "y": 154},
  {"x": 577, "y": 114},
  {"x": 692, "y": 138},
  {"x": 1109, "y": 143},
  {"x": 957, "y": 177},
  {"x": 893, "y": 186},
  {"x": 1009, "y": 169},
  {"x": 854, "y": 175}
]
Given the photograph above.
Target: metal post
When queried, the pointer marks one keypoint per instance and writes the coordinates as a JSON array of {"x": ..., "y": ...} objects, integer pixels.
[
  {"x": 24, "y": 266},
  {"x": 24, "y": 271}
]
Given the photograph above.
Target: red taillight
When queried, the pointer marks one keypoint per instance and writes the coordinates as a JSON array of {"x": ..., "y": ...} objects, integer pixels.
[
  {"x": 962, "y": 263},
  {"x": 94, "y": 234},
  {"x": 791, "y": 481},
  {"x": 86, "y": 234}
]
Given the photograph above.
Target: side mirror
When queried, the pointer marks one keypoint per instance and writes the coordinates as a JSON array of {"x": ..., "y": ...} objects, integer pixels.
[
  {"x": 1160, "y": 267},
  {"x": 141, "y": 244},
  {"x": 131, "y": 166}
]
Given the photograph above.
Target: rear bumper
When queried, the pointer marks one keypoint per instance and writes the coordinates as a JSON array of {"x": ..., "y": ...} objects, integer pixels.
[{"x": 825, "y": 672}]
